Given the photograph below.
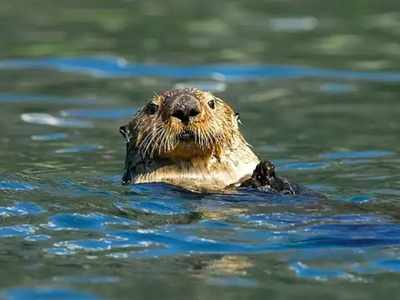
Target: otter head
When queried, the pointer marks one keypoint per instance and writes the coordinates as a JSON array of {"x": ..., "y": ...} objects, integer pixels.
[{"x": 182, "y": 124}]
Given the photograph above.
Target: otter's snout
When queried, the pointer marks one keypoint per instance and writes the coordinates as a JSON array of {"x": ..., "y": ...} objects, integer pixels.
[{"x": 185, "y": 107}]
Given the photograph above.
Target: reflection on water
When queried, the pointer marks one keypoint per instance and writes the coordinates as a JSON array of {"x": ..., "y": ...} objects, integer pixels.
[{"x": 316, "y": 85}]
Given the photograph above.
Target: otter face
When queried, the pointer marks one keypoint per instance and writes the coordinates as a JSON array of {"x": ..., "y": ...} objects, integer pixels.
[{"x": 183, "y": 124}]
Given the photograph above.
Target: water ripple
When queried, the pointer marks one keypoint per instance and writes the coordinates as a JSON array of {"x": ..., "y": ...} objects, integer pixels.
[
  {"x": 46, "y": 293},
  {"x": 117, "y": 67},
  {"x": 87, "y": 279},
  {"x": 21, "y": 209},
  {"x": 155, "y": 207},
  {"x": 16, "y": 230},
  {"x": 15, "y": 186},
  {"x": 49, "y": 137},
  {"x": 337, "y": 88},
  {"x": 321, "y": 274},
  {"x": 293, "y": 24},
  {"x": 391, "y": 265},
  {"x": 14, "y": 98},
  {"x": 303, "y": 166},
  {"x": 99, "y": 114},
  {"x": 92, "y": 221},
  {"x": 110, "y": 242},
  {"x": 37, "y": 237},
  {"x": 357, "y": 154},
  {"x": 46, "y": 119},
  {"x": 281, "y": 232},
  {"x": 360, "y": 199},
  {"x": 79, "y": 148},
  {"x": 232, "y": 281},
  {"x": 288, "y": 220}
]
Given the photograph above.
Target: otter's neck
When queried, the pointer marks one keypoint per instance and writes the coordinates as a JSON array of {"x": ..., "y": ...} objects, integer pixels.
[{"x": 211, "y": 173}]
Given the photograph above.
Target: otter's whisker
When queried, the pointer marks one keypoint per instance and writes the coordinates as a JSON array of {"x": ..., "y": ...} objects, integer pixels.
[
  {"x": 157, "y": 141},
  {"x": 147, "y": 142},
  {"x": 152, "y": 141},
  {"x": 204, "y": 138},
  {"x": 198, "y": 137},
  {"x": 163, "y": 142},
  {"x": 172, "y": 140}
]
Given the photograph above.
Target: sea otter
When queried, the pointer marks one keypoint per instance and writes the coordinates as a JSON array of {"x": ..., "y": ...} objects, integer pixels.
[{"x": 191, "y": 138}]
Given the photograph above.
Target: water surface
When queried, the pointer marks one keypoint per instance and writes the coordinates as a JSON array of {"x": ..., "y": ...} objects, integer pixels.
[{"x": 317, "y": 88}]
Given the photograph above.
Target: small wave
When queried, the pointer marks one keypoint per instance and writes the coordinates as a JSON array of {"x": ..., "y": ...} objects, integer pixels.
[
  {"x": 92, "y": 221},
  {"x": 79, "y": 149},
  {"x": 99, "y": 114},
  {"x": 116, "y": 67},
  {"x": 321, "y": 274},
  {"x": 357, "y": 154},
  {"x": 49, "y": 137},
  {"x": 17, "y": 231},
  {"x": 47, "y": 119},
  {"x": 20, "y": 209},
  {"x": 14, "y": 98},
  {"x": 15, "y": 186},
  {"x": 155, "y": 207},
  {"x": 25, "y": 293}
]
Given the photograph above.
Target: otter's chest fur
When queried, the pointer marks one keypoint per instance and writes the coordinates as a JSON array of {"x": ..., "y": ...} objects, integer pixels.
[{"x": 200, "y": 174}]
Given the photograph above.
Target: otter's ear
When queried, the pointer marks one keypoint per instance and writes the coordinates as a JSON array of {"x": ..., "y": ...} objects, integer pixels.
[
  {"x": 125, "y": 132},
  {"x": 237, "y": 116}
]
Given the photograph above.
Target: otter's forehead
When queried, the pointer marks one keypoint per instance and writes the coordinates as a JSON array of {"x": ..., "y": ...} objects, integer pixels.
[{"x": 170, "y": 95}]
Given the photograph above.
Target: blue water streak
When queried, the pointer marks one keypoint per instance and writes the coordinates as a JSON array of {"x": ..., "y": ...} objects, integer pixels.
[
  {"x": 46, "y": 293},
  {"x": 117, "y": 67},
  {"x": 321, "y": 274},
  {"x": 100, "y": 114},
  {"x": 357, "y": 154},
  {"x": 91, "y": 221},
  {"x": 16, "y": 231},
  {"x": 20, "y": 209},
  {"x": 6, "y": 185}
]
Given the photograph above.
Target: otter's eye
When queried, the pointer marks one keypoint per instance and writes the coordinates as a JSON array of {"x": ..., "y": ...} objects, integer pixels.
[
  {"x": 211, "y": 103},
  {"x": 151, "y": 108}
]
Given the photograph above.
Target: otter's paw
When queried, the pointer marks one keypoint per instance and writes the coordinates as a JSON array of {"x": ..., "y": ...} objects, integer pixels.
[{"x": 265, "y": 179}]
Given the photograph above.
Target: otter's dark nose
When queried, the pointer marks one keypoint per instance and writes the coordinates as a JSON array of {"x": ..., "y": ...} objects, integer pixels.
[{"x": 185, "y": 107}]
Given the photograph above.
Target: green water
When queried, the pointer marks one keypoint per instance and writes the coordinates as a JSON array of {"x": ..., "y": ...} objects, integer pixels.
[{"x": 68, "y": 230}]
